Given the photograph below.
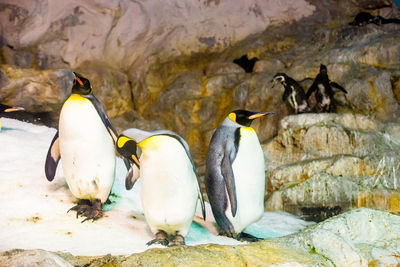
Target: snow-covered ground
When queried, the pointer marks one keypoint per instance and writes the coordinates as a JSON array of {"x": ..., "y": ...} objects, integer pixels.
[{"x": 33, "y": 211}]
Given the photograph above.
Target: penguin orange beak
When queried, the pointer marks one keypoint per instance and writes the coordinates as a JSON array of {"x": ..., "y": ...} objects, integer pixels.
[
  {"x": 135, "y": 159},
  {"x": 260, "y": 114},
  {"x": 14, "y": 109},
  {"x": 78, "y": 80}
]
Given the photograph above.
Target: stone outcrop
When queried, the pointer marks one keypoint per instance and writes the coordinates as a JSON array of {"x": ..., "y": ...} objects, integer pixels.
[
  {"x": 177, "y": 70},
  {"x": 323, "y": 164},
  {"x": 360, "y": 237}
]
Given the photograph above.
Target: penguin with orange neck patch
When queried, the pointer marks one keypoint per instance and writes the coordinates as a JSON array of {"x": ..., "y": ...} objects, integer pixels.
[{"x": 85, "y": 144}]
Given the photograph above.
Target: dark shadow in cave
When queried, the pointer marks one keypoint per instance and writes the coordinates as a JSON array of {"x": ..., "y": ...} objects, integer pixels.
[{"x": 245, "y": 63}]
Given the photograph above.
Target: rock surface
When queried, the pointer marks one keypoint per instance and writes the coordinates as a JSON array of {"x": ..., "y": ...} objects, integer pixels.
[
  {"x": 360, "y": 237},
  {"x": 177, "y": 70},
  {"x": 323, "y": 164}
]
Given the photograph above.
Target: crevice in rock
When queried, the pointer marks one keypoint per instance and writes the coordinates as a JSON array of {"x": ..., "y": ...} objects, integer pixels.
[{"x": 246, "y": 63}]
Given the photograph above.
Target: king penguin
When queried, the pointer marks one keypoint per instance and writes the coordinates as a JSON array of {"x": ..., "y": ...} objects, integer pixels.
[
  {"x": 235, "y": 174},
  {"x": 170, "y": 185},
  {"x": 85, "y": 144},
  {"x": 7, "y": 109},
  {"x": 324, "y": 93},
  {"x": 294, "y": 93}
]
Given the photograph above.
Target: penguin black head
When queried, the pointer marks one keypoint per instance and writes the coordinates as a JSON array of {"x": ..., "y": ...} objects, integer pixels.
[
  {"x": 245, "y": 117},
  {"x": 81, "y": 85},
  {"x": 5, "y": 108},
  {"x": 323, "y": 69},
  {"x": 127, "y": 148},
  {"x": 279, "y": 77}
]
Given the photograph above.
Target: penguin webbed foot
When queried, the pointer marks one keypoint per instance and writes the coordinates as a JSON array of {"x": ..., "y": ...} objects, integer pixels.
[
  {"x": 248, "y": 237},
  {"x": 81, "y": 207},
  {"x": 178, "y": 240},
  {"x": 92, "y": 214},
  {"x": 161, "y": 238},
  {"x": 92, "y": 211}
]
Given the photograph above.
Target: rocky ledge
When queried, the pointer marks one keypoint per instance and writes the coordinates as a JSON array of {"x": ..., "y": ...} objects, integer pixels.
[
  {"x": 361, "y": 237},
  {"x": 321, "y": 165}
]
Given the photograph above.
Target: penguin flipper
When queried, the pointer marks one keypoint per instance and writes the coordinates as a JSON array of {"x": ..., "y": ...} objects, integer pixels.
[
  {"x": 132, "y": 176},
  {"x": 52, "y": 159},
  {"x": 310, "y": 90},
  {"x": 111, "y": 130},
  {"x": 216, "y": 192},
  {"x": 229, "y": 179},
  {"x": 286, "y": 94},
  {"x": 100, "y": 110},
  {"x": 200, "y": 194},
  {"x": 333, "y": 84}
]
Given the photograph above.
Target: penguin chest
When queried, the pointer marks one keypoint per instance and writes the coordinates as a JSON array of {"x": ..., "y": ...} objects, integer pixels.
[
  {"x": 324, "y": 97},
  {"x": 292, "y": 98},
  {"x": 87, "y": 150},
  {"x": 249, "y": 171},
  {"x": 168, "y": 184}
]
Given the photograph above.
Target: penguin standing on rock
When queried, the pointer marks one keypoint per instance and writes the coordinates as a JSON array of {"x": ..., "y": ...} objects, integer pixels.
[
  {"x": 235, "y": 174},
  {"x": 85, "y": 144},
  {"x": 364, "y": 18},
  {"x": 294, "y": 93},
  {"x": 170, "y": 186},
  {"x": 323, "y": 91}
]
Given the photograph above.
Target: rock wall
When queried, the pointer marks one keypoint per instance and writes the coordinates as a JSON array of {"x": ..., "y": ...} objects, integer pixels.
[
  {"x": 320, "y": 165},
  {"x": 176, "y": 70}
]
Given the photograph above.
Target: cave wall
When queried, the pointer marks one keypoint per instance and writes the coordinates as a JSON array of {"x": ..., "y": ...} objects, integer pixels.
[{"x": 170, "y": 65}]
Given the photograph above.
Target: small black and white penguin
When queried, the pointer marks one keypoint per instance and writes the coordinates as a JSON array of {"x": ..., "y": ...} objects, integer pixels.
[
  {"x": 7, "y": 109},
  {"x": 85, "y": 144},
  {"x": 294, "y": 93},
  {"x": 170, "y": 185},
  {"x": 323, "y": 91},
  {"x": 235, "y": 174},
  {"x": 364, "y": 18}
]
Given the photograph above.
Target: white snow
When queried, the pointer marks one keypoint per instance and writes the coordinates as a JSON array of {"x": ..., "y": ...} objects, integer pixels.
[{"x": 33, "y": 211}]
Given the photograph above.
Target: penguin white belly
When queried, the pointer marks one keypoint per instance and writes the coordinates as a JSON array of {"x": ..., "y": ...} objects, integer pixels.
[
  {"x": 292, "y": 99},
  {"x": 249, "y": 171},
  {"x": 87, "y": 150},
  {"x": 168, "y": 184},
  {"x": 326, "y": 101}
]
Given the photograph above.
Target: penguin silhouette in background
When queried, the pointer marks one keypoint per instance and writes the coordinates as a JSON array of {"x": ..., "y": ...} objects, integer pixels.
[
  {"x": 235, "y": 174},
  {"x": 323, "y": 91},
  {"x": 85, "y": 144},
  {"x": 294, "y": 93},
  {"x": 7, "y": 109},
  {"x": 364, "y": 18},
  {"x": 170, "y": 185}
]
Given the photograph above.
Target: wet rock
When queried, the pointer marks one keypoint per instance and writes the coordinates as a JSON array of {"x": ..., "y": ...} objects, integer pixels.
[{"x": 332, "y": 161}]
